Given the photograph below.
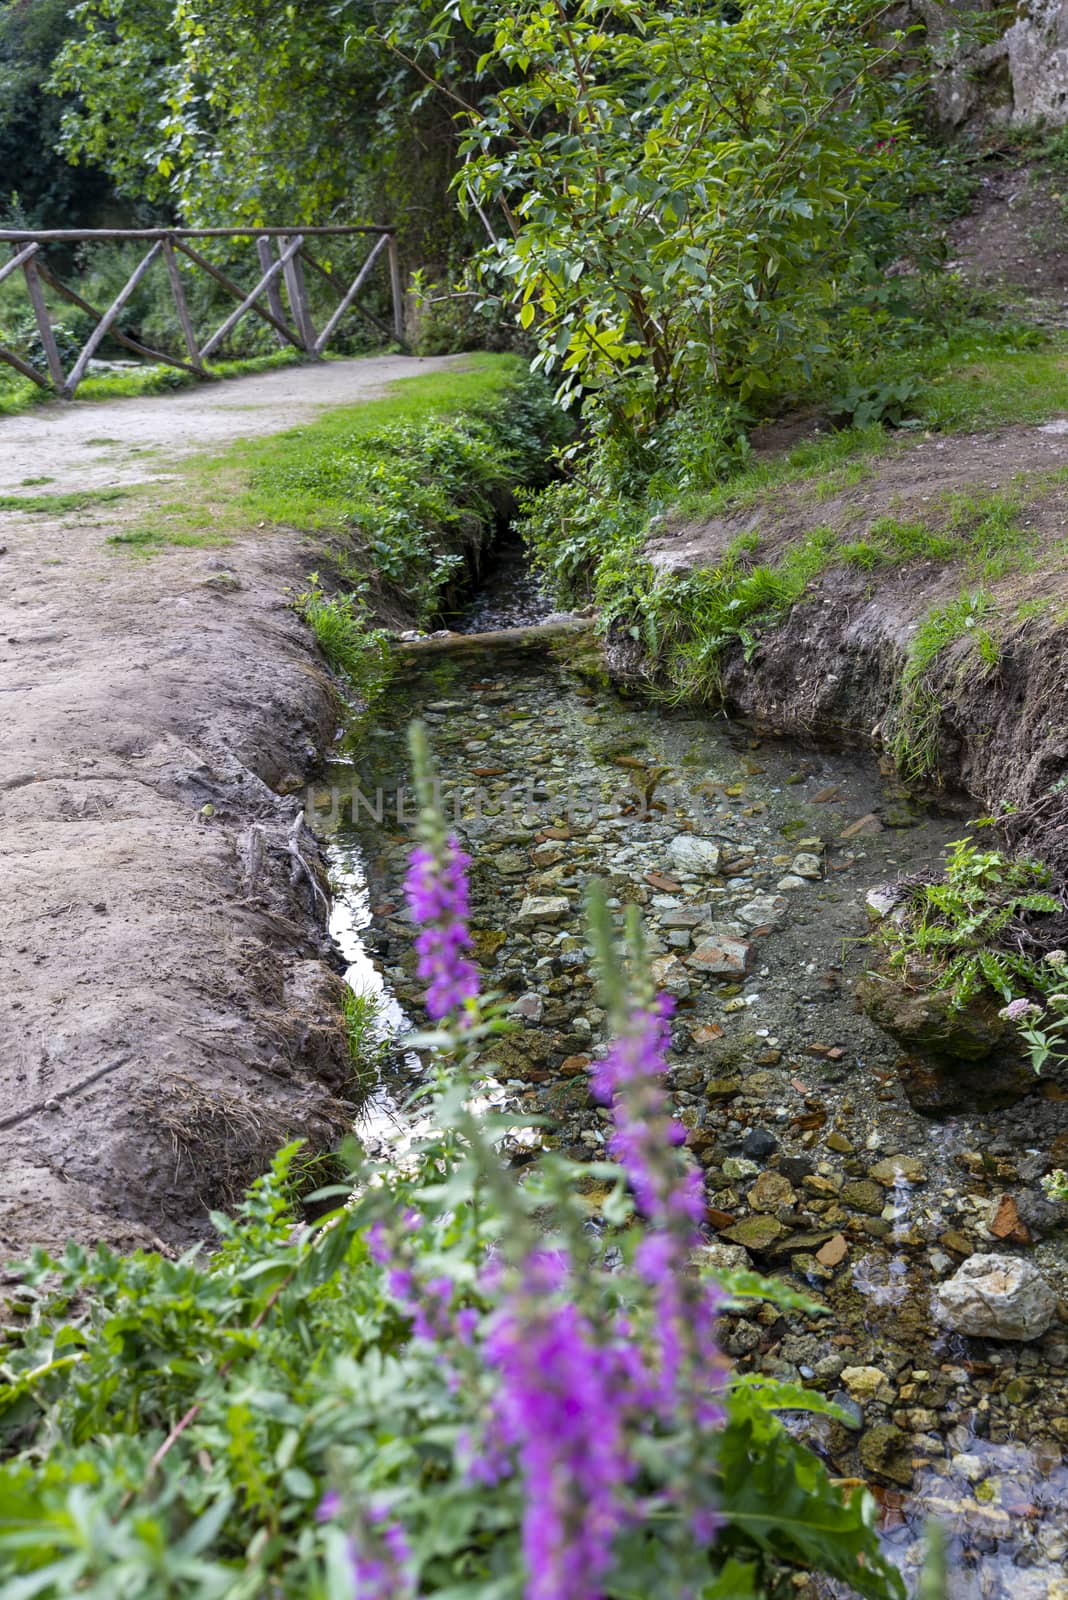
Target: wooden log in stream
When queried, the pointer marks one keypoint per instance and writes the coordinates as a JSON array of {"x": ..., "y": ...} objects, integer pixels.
[{"x": 531, "y": 636}]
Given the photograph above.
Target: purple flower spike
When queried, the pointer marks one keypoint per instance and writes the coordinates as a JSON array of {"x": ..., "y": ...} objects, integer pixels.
[
  {"x": 436, "y": 887},
  {"x": 558, "y": 1410}
]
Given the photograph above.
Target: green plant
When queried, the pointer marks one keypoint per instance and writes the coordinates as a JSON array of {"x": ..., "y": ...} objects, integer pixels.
[
  {"x": 958, "y": 931},
  {"x": 683, "y": 197},
  {"x": 891, "y": 404},
  {"x": 914, "y": 729},
  {"x": 236, "y": 1425},
  {"x": 343, "y": 630},
  {"x": 365, "y": 1030},
  {"x": 1044, "y": 1027}
]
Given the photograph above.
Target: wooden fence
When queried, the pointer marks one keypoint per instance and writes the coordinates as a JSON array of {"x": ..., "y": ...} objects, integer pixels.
[{"x": 283, "y": 254}]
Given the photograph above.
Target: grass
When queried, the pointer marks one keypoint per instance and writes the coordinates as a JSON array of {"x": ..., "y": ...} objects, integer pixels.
[
  {"x": 154, "y": 535},
  {"x": 362, "y": 1019},
  {"x": 19, "y": 394},
  {"x": 58, "y": 504},
  {"x": 914, "y": 737}
]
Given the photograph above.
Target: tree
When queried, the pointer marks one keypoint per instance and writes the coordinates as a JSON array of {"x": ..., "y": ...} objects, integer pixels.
[
  {"x": 267, "y": 110},
  {"x": 678, "y": 190},
  {"x": 37, "y": 187}
]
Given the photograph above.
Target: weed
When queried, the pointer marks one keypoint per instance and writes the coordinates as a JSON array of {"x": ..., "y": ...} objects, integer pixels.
[
  {"x": 958, "y": 929},
  {"x": 154, "y": 535},
  {"x": 367, "y": 1038},
  {"x": 914, "y": 740}
]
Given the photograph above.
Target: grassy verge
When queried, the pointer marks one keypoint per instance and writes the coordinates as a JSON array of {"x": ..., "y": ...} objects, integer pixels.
[
  {"x": 395, "y": 493},
  {"x": 18, "y": 394}
]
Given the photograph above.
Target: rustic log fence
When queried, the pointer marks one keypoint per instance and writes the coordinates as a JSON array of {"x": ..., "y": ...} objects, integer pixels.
[{"x": 282, "y": 256}]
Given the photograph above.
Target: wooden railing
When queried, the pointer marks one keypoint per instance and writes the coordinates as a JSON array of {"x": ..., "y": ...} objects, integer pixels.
[{"x": 282, "y": 253}]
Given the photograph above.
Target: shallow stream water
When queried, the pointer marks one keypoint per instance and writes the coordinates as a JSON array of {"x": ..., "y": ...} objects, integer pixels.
[{"x": 790, "y": 1094}]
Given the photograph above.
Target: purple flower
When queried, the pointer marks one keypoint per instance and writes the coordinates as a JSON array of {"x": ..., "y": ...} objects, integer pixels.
[
  {"x": 381, "y": 1560},
  {"x": 560, "y": 1408},
  {"x": 669, "y": 1190},
  {"x": 436, "y": 886},
  {"x": 1017, "y": 1010}
]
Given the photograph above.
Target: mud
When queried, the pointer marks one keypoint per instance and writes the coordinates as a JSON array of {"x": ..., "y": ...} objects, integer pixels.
[{"x": 169, "y": 1002}]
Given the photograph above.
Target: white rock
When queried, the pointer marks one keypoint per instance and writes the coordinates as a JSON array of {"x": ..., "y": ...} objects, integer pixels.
[
  {"x": 542, "y": 908},
  {"x": 880, "y": 902},
  {"x": 763, "y": 911},
  {"x": 996, "y": 1297},
  {"x": 791, "y": 881},
  {"x": 806, "y": 866},
  {"x": 689, "y": 854}
]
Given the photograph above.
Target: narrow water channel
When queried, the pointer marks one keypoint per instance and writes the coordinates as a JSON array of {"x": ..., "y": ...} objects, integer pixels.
[{"x": 751, "y": 861}]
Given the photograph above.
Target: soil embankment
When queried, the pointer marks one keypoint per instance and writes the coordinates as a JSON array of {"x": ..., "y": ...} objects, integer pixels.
[
  {"x": 170, "y": 1014},
  {"x": 994, "y": 723}
]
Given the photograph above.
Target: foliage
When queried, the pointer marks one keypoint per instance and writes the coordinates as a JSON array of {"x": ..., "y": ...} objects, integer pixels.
[
  {"x": 915, "y": 719},
  {"x": 892, "y": 404},
  {"x": 1044, "y": 1027},
  {"x": 342, "y": 628},
  {"x": 365, "y": 1030},
  {"x": 679, "y": 193},
  {"x": 960, "y": 929},
  {"x": 37, "y": 188},
  {"x": 418, "y": 495},
  {"x": 261, "y": 1420},
  {"x": 266, "y": 111}
]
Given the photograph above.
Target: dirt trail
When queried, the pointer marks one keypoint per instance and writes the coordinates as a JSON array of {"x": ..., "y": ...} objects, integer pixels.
[{"x": 167, "y": 1014}]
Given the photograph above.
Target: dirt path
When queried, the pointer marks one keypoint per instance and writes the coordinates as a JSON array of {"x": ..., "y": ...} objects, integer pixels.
[{"x": 168, "y": 1015}]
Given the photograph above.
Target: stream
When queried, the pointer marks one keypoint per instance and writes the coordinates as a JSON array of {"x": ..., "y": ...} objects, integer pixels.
[{"x": 751, "y": 860}]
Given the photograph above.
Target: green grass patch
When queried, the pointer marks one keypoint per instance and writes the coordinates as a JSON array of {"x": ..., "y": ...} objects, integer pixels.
[
  {"x": 19, "y": 394},
  {"x": 914, "y": 737},
  {"x": 152, "y": 536},
  {"x": 59, "y": 504}
]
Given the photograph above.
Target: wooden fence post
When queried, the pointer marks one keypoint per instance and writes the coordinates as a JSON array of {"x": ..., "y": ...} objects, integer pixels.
[
  {"x": 185, "y": 321},
  {"x": 298, "y": 299},
  {"x": 265, "y": 251},
  {"x": 397, "y": 287},
  {"x": 44, "y": 323}
]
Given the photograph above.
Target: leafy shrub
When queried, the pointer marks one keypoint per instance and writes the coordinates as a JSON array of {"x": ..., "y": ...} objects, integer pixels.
[
  {"x": 660, "y": 238},
  {"x": 865, "y": 403},
  {"x": 451, "y": 1382},
  {"x": 959, "y": 930},
  {"x": 416, "y": 496}
]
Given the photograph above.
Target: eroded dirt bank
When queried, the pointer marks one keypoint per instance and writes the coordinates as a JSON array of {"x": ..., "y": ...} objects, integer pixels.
[
  {"x": 835, "y": 668},
  {"x": 169, "y": 1013}
]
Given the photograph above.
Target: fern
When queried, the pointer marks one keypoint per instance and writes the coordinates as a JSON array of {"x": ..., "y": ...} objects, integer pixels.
[{"x": 957, "y": 927}]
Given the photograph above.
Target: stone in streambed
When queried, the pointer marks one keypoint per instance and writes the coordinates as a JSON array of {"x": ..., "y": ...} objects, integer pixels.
[
  {"x": 755, "y": 1233},
  {"x": 996, "y": 1297},
  {"x": 883, "y": 1451},
  {"x": 865, "y": 1383},
  {"x": 721, "y": 957},
  {"x": 898, "y": 1169},
  {"x": 863, "y": 1195},
  {"x": 699, "y": 856},
  {"x": 537, "y": 909},
  {"x": 770, "y": 1192}
]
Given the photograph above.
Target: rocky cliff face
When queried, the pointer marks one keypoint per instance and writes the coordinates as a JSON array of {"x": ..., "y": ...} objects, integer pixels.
[{"x": 1016, "y": 78}]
